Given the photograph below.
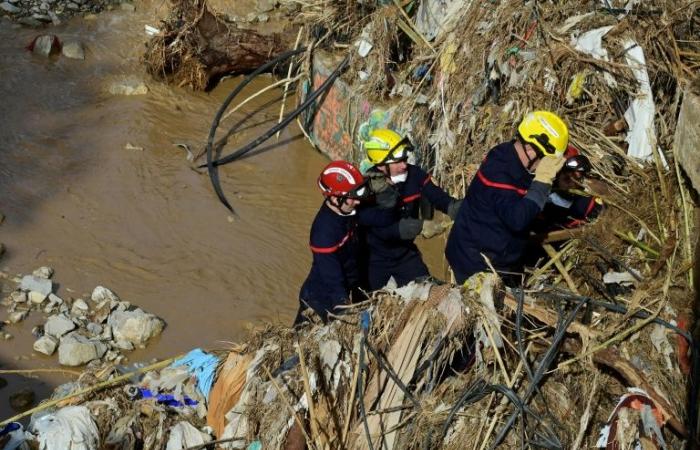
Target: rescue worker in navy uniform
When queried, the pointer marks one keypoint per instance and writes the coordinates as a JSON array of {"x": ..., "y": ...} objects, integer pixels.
[
  {"x": 399, "y": 188},
  {"x": 508, "y": 193},
  {"x": 334, "y": 244}
]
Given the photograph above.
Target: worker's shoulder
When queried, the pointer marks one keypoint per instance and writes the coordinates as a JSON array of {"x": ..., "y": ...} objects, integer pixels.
[
  {"x": 328, "y": 229},
  {"x": 501, "y": 160},
  {"x": 417, "y": 173}
]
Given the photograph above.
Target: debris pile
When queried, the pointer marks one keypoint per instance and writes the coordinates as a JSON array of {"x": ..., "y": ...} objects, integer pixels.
[
  {"x": 424, "y": 366},
  {"x": 83, "y": 331}
]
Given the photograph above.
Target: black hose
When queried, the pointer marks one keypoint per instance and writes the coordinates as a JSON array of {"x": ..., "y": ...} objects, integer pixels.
[
  {"x": 550, "y": 355},
  {"x": 213, "y": 176},
  {"x": 327, "y": 84}
]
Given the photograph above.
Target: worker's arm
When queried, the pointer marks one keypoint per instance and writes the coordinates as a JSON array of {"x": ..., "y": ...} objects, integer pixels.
[
  {"x": 517, "y": 212},
  {"x": 443, "y": 201},
  {"x": 333, "y": 276}
]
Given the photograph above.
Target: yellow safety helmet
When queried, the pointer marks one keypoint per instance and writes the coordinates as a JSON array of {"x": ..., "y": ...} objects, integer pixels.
[
  {"x": 546, "y": 131},
  {"x": 386, "y": 146}
]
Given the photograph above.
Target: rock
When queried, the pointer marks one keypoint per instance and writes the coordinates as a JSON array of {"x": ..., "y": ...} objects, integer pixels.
[
  {"x": 55, "y": 300},
  {"x": 32, "y": 283},
  {"x": 262, "y": 18},
  {"x": 80, "y": 305},
  {"x": 76, "y": 350},
  {"x": 128, "y": 86},
  {"x": 127, "y": 7},
  {"x": 29, "y": 22},
  {"x": 43, "y": 18},
  {"x": 72, "y": 6},
  {"x": 45, "y": 45},
  {"x": 94, "y": 328},
  {"x": 265, "y": 5},
  {"x": 107, "y": 333},
  {"x": 19, "y": 297},
  {"x": 46, "y": 345},
  {"x": 58, "y": 325},
  {"x": 19, "y": 401},
  {"x": 73, "y": 50},
  {"x": 17, "y": 316},
  {"x": 135, "y": 326},
  {"x": 100, "y": 294},
  {"x": 9, "y": 8},
  {"x": 124, "y": 345},
  {"x": 38, "y": 331},
  {"x": 36, "y": 298},
  {"x": 7, "y": 336},
  {"x": 43, "y": 272}
]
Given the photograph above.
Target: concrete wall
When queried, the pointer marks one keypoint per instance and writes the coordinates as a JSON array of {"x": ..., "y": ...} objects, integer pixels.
[{"x": 340, "y": 113}]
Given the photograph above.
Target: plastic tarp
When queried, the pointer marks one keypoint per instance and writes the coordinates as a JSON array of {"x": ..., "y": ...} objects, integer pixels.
[
  {"x": 183, "y": 435},
  {"x": 203, "y": 366},
  {"x": 591, "y": 43},
  {"x": 641, "y": 136},
  {"x": 69, "y": 428}
]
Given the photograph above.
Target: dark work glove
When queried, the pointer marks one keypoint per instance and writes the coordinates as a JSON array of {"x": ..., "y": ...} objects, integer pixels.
[
  {"x": 410, "y": 228},
  {"x": 453, "y": 208},
  {"x": 387, "y": 198}
]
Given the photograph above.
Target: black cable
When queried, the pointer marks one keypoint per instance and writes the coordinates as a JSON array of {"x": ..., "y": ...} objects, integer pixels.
[
  {"x": 326, "y": 85},
  {"x": 547, "y": 360},
  {"x": 384, "y": 364}
]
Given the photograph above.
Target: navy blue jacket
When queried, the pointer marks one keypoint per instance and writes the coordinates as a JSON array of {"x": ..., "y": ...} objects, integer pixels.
[
  {"x": 334, "y": 271},
  {"x": 495, "y": 217},
  {"x": 502, "y": 206},
  {"x": 389, "y": 255}
]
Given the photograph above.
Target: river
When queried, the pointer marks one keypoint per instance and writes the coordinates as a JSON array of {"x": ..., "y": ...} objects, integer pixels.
[{"x": 93, "y": 185}]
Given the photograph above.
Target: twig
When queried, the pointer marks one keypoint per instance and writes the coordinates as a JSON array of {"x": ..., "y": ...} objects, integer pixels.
[
  {"x": 351, "y": 403},
  {"x": 636, "y": 243},
  {"x": 288, "y": 405},
  {"x": 31, "y": 371},
  {"x": 286, "y": 85},
  {"x": 564, "y": 273},
  {"x": 90, "y": 389},
  {"x": 586, "y": 417},
  {"x": 688, "y": 250},
  {"x": 309, "y": 397},
  {"x": 260, "y": 92}
]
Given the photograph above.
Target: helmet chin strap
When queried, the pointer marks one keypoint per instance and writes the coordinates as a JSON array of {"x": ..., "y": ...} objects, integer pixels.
[{"x": 338, "y": 203}]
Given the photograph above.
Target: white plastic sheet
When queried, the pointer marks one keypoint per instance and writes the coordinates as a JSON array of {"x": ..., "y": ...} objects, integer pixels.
[
  {"x": 70, "y": 428},
  {"x": 591, "y": 43},
  {"x": 183, "y": 435},
  {"x": 641, "y": 136}
]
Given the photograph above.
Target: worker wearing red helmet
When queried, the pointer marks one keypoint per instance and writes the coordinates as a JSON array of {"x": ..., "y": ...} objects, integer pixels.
[{"x": 334, "y": 272}]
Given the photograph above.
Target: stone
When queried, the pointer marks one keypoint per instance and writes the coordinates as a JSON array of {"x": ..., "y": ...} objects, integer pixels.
[
  {"x": 73, "y": 50},
  {"x": 10, "y": 8},
  {"x": 123, "y": 345},
  {"x": 36, "y": 298},
  {"x": 19, "y": 297},
  {"x": 42, "y": 18},
  {"x": 58, "y": 325},
  {"x": 135, "y": 326},
  {"x": 94, "y": 328},
  {"x": 72, "y": 6},
  {"x": 44, "y": 6},
  {"x": 687, "y": 139},
  {"x": 80, "y": 304},
  {"x": 45, "y": 45},
  {"x": 265, "y": 5},
  {"x": 46, "y": 345},
  {"x": 76, "y": 350},
  {"x": 127, "y": 7},
  {"x": 107, "y": 333},
  {"x": 7, "y": 336},
  {"x": 111, "y": 355},
  {"x": 128, "y": 86},
  {"x": 29, "y": 22},
  {"x": 55, "y": 300},
  {"x": 43, "y": 272},
  {"x": 17, "y": 316},
  {"x": 22, "y": 400},
  {"x": 100, "y": 294},
  {"x": 262, "y": 18},
  {"x": 32, "y": 283}
]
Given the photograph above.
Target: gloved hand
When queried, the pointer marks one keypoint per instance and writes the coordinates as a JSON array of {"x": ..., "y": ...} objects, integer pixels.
[
  {"x": 547, "y": 169},
  {"x": 410, "y": 228},
  {"x": 453, "y": 208},
  {"x": 377, "y": 182},
  {"x": 387, "y": 198}
]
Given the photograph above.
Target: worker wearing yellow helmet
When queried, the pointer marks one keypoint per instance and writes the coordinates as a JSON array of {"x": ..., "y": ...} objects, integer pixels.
[
  {"x": 400, "y": 188},
  {"x": 509, "y": 191}
]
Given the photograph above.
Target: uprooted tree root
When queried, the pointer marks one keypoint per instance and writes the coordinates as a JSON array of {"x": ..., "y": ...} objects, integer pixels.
[{"x": 195, "y": 47}]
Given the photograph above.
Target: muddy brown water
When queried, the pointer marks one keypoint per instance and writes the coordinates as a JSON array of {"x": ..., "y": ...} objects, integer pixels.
[{"x": 79, "y": 197}]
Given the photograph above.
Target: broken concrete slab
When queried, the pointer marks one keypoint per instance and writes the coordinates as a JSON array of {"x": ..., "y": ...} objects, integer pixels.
[{"x": 687, "y": 139}]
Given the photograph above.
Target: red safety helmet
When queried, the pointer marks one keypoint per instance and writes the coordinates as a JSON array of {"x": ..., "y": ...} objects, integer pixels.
[{"x": 342, "y": 179}]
